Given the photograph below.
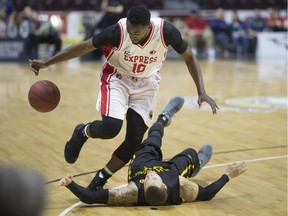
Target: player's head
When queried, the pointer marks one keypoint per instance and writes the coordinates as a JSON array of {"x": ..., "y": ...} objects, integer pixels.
[
  {"x": 138, "y": 23},
  {"x": 155, "y": 191}
]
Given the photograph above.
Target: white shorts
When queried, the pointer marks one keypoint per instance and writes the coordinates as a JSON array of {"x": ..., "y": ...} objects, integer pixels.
[{"x": 118, "y": 92}]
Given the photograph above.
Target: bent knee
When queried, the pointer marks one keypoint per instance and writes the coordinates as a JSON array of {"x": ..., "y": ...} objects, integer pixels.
[
  {"x": 110, "y": 131},
  {"x": 108, "y": 128},
  {"x": 192, "y": 153}
]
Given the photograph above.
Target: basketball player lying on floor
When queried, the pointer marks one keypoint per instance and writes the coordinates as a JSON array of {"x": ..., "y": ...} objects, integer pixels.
[{"x": 152, "y": 181}]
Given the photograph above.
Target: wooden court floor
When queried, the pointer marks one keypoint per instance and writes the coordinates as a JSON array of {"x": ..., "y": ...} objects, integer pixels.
[{"x": 251, "y": 125}]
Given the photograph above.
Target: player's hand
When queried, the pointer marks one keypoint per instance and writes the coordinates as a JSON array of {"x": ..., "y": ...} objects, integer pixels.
[
  {"x": 36, "y": 64},
  {"x": 205, "y": 98},
  {"x": 66, "y": 180},
  {"x": 236, "y": 169}
]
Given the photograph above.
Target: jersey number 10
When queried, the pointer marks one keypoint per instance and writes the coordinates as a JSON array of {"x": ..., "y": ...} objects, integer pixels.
[{"x": 138, "y": 68}]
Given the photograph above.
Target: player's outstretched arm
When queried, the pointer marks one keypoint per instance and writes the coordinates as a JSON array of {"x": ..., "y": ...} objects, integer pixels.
[
  {"x": 67, "y": 53},
  {"x": 211, "y": 190},
  {"x": 190, "y": 191},
  {"x": 195, "y": 72},
  {"x": 119, "y": 196},
  {"x": 84, "y": 194},
  {"x": 173, "y": 37}
]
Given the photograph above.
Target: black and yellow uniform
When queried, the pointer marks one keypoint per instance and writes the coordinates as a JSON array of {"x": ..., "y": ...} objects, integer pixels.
[{"x": 148, "y": 157}]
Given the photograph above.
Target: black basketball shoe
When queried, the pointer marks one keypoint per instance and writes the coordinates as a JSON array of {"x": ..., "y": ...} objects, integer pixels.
[
  {"x": 98, "y": 182},
  {"x": 74, "y": 145}
]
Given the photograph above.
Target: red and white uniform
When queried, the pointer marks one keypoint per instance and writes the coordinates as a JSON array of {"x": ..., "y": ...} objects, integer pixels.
[{"x": 130, "y": 76}]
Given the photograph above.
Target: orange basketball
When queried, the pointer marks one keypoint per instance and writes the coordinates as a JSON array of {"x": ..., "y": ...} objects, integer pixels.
[{"x": 44, "y": 96}]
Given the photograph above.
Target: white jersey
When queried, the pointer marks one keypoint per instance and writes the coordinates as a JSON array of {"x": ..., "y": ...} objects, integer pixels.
[{"x": 137, "y": 60}]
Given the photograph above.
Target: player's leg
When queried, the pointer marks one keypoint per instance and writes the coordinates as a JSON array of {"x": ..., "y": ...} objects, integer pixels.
[
  {"x": 135, "y": 131},
  {"x": 165, "y": 117},
  {"x": 186, "y": 162},
  {"x": 189, "y": 162},
  {"x": 107, "y": 128},
  {"x": 173, "y": 106},
  {"x": 150, "y": 149},
  {"x": 136, "y": 128},
  {"x": 141, "y": 105},
  {"x": 112, "y": 100}
]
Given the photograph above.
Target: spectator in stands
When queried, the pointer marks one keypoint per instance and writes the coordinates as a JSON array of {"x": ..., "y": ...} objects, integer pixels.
[
  {"x": 240, "y": 39},
  {"x": 2, "y": 25},
  {"x": 285, "y": 23},
  {"x": 255, "y": 25},
  {"x": 7, "y": 8},
  {"x": 27, "y": 27},
  {"x": 275, "y": 23},
  {"x": 222, "y": 33},
  {"x": 198, "y": 34},
  {"x": 113, "y": 11},
  {"x": 40, "y": 32},
  {"x": 13, "y": 26}
]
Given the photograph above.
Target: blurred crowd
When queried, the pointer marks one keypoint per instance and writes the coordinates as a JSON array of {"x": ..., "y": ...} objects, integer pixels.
[
  {"x": 209, "y": 36},
  {"x": 29, "y": 25},
  {"x": 215, "y": 37}
]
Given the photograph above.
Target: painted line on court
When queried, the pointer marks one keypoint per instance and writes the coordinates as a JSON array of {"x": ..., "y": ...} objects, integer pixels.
[
  {"x": 63, "y": 213},
  {"x": 70, "y": 208},
  {"x": 248, "y": 161}
]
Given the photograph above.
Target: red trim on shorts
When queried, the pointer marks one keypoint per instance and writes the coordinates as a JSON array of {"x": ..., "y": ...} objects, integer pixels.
[
  {"x": 107, "y": 73},
  {"x": 162, "y": 33}
]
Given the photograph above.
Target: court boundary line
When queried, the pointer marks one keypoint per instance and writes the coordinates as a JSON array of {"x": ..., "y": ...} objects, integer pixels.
[{"x": 67, "y": 210}]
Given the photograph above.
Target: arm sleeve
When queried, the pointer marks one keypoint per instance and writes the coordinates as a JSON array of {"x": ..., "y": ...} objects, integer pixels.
[
  {"x": 110, "y": 36},
  {"x": 172, "y": 36},
  {"x": 211, "y": 190},
  {"x": 87, "y": 196}
]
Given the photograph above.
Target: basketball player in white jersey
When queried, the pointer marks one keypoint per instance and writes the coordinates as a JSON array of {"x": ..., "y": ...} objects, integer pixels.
[{"x": 135, "y": 49}]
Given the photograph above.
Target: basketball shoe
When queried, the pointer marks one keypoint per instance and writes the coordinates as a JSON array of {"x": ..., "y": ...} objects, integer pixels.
[
  {"x": 97, "y": 182},
  {"x": 173, "y": 106},
  {"x": 204, "y": 155},
  {"x": 74, "y": 145}
]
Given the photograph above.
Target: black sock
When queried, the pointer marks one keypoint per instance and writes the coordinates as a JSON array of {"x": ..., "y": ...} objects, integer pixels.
[
  {"x": 104, "y": 175},
  {"x": 162, "y": 119}
]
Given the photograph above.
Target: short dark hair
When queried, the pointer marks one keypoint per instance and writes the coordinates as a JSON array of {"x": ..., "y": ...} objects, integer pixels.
[
  {"x": 139, "y": 15},
  {"x": 156, "y": 195}
]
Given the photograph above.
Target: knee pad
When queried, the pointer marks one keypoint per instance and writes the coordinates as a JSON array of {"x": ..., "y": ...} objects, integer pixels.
[{"x": 108, "y": 128}]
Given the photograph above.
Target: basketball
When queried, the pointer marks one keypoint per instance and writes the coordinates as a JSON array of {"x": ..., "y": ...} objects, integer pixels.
[{"x": 44, "y": 96}]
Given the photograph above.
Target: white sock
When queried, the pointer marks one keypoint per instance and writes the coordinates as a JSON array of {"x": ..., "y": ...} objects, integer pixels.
[{"x": 108, "y": 171}]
